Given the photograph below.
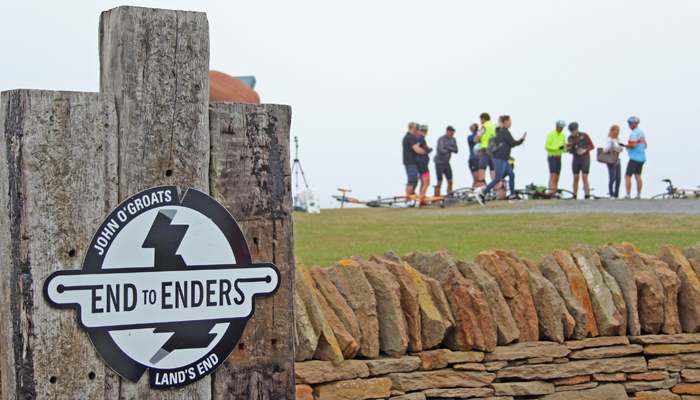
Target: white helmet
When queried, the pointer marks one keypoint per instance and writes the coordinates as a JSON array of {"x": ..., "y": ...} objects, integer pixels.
[
  {"x": 632, "y": 120},
  {"x": 561, "y": 123}
]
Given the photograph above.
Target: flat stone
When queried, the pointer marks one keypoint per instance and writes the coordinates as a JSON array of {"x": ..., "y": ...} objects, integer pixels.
[
  {"x": 305, "y": 345},
  {"x": 327, "y": 348},
  {"x": 597, "y": 342},
  {"x": 495, "y": 365},
  {"x": 444, "y": 378},
  {"x": 574, "y": 380},
  {"x": 690, "y": 375},
  {"x": 432, "y": 359},
  {"x": 552, "y": 272},
  {"x": 527, "y": 350},
  {"x": 671, "y": 284},
  {"x": 560, "y": 360},
  {"x": 606, "y": 352},
  {"x": 666, "y": 339},
  {"x": 350, "y": 280},
  {"x": 358, "y": 389},
  {"x": 689, "y": 293},
  {"x": 513, "y": 281},
  {"x": 578, "y": 286},
  {"x": 409, "y": 300},
  {"x": 617, "y": 377},
  {"x": 459, "y": 393},
  {"x": 433, "y": 327},
  {"x": 522, "y": 388},
  {"x": 464, "y": 356},
  {"x": 393, "y": 330},
  {"x": 315, "y": 371},
  {"x": 615, "y": 264},
  {"x": 347, "y": 343},
  {"x": 650, "y": 291},
  {"x": 336, "y": 301},
  {"x": 304, "y": 392},
  {"x": 387, "y": 365},
  {"x": 692, "y": 252},
  {"x": 574, "y": 368},
  {"x": 470, "y": 367},
  {"x": 506, "y": 329},
  {"x": 686, "y": 388},
  {"x": 656, "y": 395},
  {"x": 539, "y": 360},
  {"x": 576, "y": 388},
  {"x": 409, "y": 396},
  {"x": 663, "y": 349},
  {"x": 440, "y": 301},
  {"x": 474, "y": 328},
  {"x": 607, "y": 317},
  {"x": 613, "y": 391},
  {"x": 649, "y": 376},
  {"x": 396, "y": 393},
  {"x": 641, "y": 386},
  {"x": 676, "y": 362}
]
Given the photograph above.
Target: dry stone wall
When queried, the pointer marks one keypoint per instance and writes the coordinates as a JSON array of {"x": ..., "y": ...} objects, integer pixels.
[{"x": 611, "y": 323}]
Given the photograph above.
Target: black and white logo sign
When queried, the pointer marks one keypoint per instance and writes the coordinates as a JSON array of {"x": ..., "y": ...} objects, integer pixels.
[{"x": 166, "y": 285}]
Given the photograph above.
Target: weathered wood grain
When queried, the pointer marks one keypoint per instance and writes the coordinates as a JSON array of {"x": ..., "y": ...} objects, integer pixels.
[
  {"x": 250, "y": 174},
  {"x": 156, "y": 62},
  {"x": 58, "y": 180}
]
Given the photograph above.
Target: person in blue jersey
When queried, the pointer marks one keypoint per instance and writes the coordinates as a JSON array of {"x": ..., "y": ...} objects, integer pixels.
[
  {"x": 473, "y": 156},
  {"x": 636, "y": 147}
]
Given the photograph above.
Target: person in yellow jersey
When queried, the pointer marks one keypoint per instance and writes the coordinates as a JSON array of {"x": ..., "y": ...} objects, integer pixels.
[
  {"x": 487, "y": 131},
  {"x": 555, "y": 146}
]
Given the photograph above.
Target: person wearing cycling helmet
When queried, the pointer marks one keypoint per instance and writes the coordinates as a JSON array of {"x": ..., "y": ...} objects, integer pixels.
[
  {"x": 555, "y": 146},
  {"x": 487, "y": 131},
  {"x": 473, "y": 155},
  {"x": 580, "y": 145},
  {"x": 422, "y": 160},
  {"x": 636, "y": 147}
]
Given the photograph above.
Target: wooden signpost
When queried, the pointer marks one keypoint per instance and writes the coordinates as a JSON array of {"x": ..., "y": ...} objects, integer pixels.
[{"x": 70, "y": 158}]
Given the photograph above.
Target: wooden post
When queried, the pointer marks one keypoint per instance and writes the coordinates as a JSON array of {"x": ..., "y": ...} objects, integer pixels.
[
  {"x": 57, "y": 182},
  {"x": 156, "y": 62},
  {"x": 250, "y": 174}
]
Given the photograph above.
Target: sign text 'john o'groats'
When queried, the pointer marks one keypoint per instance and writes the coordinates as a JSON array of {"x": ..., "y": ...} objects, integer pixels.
[{"x": 166, "y": 285}]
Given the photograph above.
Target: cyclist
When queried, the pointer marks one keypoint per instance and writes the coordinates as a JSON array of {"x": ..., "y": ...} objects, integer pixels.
[
  {"x": 612, "y": 143},
  {"x": 487, "y": 131},
  {"x": 555, "y": 146},
  {"x": 580, "y": 145},
  {"x": 410, "y": 150},
  {"x": 445, "y": 147},
  {"x": 473, "y": 156},
  {"x": 636, "y": 147},
  {"x": 501, "y": 156},
  {"x": 422, "y": 160}
]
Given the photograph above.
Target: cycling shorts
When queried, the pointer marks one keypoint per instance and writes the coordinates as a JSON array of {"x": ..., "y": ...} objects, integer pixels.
[
  {"x": 485, "y": 160},
  {"x": 634, "y": 168},
  {"x": 443, "y": 169},
  {"x": 554, "y": 164},
  {"x": 473, "y": 164},
  {"x": 412, "y": 174},
  {"x": 581, "y": 165},
  {"x": 423, "y": 169}
]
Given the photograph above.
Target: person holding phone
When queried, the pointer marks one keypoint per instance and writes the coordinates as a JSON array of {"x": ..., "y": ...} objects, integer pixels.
[
  {"x": 612, "y": 143},
  {"x": 501, "y": 154},
  {"x": 580, "y": 145}
]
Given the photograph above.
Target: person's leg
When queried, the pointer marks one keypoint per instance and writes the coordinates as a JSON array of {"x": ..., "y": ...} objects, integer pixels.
[
  {"x": 585, "y": 168},
  {"x": 638, "y": 177},
  {"x": 611, "y": 179},
  {"x": 449, "y": 186},
  {"x": 618, "y": 171},
  {"x": 576, "y": 169},
  {"x": 496, "y": 175},
  {"x": 575, "y": 185},
  {"x": 480, "y": 175},
  {"x": 438, "y": 175},
  {"x": 628, "y": 177},
  {"x": 438, "y": 185},
  {"x": 553, "y": 182},
  {"x": 511, "y": 178},
  {"x": 448, "y": 175},
  {"x": 412, "y": 174},
  {"x": 424, "y": 183},
  {"x": 586, "y": 190}
]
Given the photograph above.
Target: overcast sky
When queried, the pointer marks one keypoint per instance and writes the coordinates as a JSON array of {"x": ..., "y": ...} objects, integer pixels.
[{"x": 355, "y": 73}]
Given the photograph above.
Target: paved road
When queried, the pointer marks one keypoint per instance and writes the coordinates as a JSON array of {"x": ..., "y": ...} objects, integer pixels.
[{"x": 674, "y": 206}]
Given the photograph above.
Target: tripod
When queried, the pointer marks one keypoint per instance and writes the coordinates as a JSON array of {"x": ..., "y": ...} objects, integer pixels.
[{"x": 296, "y": 167}]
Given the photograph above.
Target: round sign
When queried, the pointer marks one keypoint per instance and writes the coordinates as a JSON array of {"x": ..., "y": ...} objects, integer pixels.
[{"x": 166, "y": 286}]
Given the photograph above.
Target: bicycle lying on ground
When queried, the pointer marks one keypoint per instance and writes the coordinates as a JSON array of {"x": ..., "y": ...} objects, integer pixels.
[
  {"x": 411, "y": 200},
  {"x": 534, "y": 192},
  {"x": 673, "y": 192}
]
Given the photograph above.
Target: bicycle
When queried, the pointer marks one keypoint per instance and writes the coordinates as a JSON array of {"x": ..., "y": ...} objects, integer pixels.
[
  {"x": 673, "y": 192},
  {"x": 534, "y": 192}
]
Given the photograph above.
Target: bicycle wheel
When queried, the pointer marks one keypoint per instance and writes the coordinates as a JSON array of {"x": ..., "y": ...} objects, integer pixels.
[
  {"x": 662, "y": 196},
  {"x": 564, "y": 194}
]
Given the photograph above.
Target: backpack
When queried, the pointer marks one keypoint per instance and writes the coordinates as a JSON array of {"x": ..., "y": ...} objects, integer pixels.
[{"x": 494, "y": 146}]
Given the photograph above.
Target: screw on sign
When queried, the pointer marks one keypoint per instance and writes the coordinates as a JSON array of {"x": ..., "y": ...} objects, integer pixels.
[{"x": 165, "y": 285}]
